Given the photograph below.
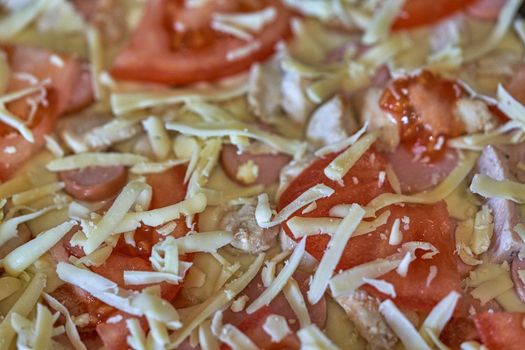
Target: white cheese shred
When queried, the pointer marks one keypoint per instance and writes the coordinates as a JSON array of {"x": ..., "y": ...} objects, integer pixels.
[
  {"x": 276, "y": 327},
  {"x": 279, "y": 282},
  {"x": 333, "y": 253},
  {"x": 403, "y": 328}
]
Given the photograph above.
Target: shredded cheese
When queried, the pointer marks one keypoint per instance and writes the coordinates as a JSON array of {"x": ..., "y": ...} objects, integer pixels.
[
  {"x": 338, "y": 167},
  {"x": 333, "y": 254},
  {"x": 280, "y": 281},
  {"x": 276, "y": 327},
  {"x": 34, "y": 194},
  {"x": 20, "y": 258},
  {"x": 312, "y": 194},
  {"x": 9, "y": 228},
  {"x": 237, "y": 128},
  {"x": 158, "y": 137},
  {"x": 402, "y": 327},
  {"x": 235, "y": 339},
  {"x": 13, "y": 121},
  {"x": 378, "y": 28},
  {"x": 489, "y": 188},
  {"x": 381, "y": 285},
  {"x": 252, "y": 21},
  {"x": 115, "y": 214},
  {"x": 313, "y": 339},
  {"x": 438, "y": 318},
  {"x": 295, "y": 298},
  {"x": 122, "y": 103},
  {"x": 395, "y": 233},
  {"x": 441, "y": 191},
  {"x": 83, "y": 160},
  {"x": 505, "y": 18},
  {"x": 71, "y": 329}
]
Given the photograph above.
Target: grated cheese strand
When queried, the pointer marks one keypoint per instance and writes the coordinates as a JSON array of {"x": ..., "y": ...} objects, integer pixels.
[
  {"x": 402, "y": 327},
  {"x": 379, "y": 27},
  {"x": 71, "y": 328},
  {"x": 295, "y": 298},
  {"x": 438, "y": 318},
  {"x": 279, "y": 282},
  {"x": 83, "y": 160},
  {"x": 338, "y": 167},
  {"x": 115, "y": 214},
  {"x": 22, "y": 257},
  {"x": 312, "y": 194},
  {"x": 489, "y": 188},
  {"x": 333, "y": 253},
  {"x": 13, "y": 121}
]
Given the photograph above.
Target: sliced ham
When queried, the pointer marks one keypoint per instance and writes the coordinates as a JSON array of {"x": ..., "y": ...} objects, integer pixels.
[
  {"x": 415, "y": 175},
  {"x": 269, "y": 164},
  {"x": 515, "y": 86},
  {"x": 251, "y": 325},
  {"x": 496, "y": 163},
  {"x": 519, "y": 285},
  {"x": 94, "y": 183}
]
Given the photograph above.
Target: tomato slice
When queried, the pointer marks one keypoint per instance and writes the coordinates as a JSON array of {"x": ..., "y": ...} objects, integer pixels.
[
  {"x": 417, "y": 13},
  {"x": 27, "y": 63},
  {"x": 501, "y": 330},
  {"x": 427, "y": 223},
  {"x": 176, "y": 45}
]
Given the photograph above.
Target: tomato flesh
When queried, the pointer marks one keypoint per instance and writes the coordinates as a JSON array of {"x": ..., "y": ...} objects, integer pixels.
[
  {"x": 26, "y": 64},
  {"x": 417, "y": 13},
  {"x": 501, "y": 330},
  {"x": 426, "y": 223},
  {"x": 175, "y": 45}
]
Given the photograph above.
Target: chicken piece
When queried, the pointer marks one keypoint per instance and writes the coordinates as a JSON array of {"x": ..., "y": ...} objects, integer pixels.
[
  {"x": 92, "y": 131},
  {"x": 294, "y": 100},
  {"x": 506, "y": 243},
  {"x": 247, "y": 235},
  {"x": 332, "y": 122},
  {"x": 475, "y": 114},
  {"x": 263, "y": 98},
  {"x": 363, "y": 311},
  {"x": 377, "y": 118}
]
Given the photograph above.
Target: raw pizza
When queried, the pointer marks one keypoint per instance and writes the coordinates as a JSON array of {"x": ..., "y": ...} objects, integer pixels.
[{"x": 262, "y": 174}]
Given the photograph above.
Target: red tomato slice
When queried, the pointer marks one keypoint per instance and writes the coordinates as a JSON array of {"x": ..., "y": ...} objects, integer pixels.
[
  {"x": 501, "y": 330},
  {"x": 37, "y": 63},
  {"x": 175, "y": 45},
  {"x": 417, "y": 13},
  {"x": 428, "y": 223}
]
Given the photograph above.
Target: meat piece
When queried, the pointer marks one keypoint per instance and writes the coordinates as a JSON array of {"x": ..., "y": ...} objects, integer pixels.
[
  {"x": 332, "y": 122},
  {"x": 494, "y": 162},
  {"x": 94, "y": 183},
  {"x": 94, "y": 131},
  {"x": 475, "y": 115},
  {"x": 83, "y": 93},
  {"x": 294, "y": 100},
  {"x": 377, "y": 118},
  {"x": 415, "y": 175},
  {"x": 519, "y": 285},
  {"x": 263, "y": 98},
  {"x": 247, "y": 235},
  {"x": 268, "y": 164},
  {"x": 363, "y": 311}
]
